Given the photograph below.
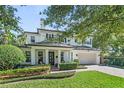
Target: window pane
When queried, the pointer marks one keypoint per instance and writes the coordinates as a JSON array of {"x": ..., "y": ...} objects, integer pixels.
[
  {"x": 28, "y": 56},
  {"x": 62, "y": 56},
  {"x": 32, "y": 38}
]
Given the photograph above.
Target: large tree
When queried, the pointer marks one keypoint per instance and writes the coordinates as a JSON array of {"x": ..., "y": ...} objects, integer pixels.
[
  {"x": 8, "y": 23},
  {"x": 104, "y": 23}
]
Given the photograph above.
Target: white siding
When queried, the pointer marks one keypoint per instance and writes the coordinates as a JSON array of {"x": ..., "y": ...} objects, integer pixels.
[{"x": 41, "y": 36}]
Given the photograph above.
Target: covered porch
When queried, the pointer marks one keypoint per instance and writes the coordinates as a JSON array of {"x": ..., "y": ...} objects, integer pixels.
[{"x": 50, "y": 55}]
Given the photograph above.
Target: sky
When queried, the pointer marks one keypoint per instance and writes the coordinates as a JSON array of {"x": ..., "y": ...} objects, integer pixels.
[{"x": 30, "y": 18}]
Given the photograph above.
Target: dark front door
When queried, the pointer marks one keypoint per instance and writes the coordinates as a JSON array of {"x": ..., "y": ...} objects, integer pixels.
[
  {"x": 40, "y": 57},
  {"x": 51, "y": 58}
]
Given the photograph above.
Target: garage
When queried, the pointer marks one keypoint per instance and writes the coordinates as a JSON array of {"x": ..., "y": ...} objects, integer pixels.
[{"x": 87, "y": 58}]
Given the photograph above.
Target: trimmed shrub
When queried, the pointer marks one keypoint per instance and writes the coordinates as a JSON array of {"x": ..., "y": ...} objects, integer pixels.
[
  {"x": 35, "y": 70},
  {"x": 68, "y": 66},
  {"x": 115, "y": 61},
  {"x": 10, "y": 56},
  {"x": 77, "y": 61}
]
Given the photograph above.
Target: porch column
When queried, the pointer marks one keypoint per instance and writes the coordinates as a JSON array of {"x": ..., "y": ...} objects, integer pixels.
[
  {"x": 69, "y": 55},
  {"x": 97, "y": 58},
  {"x": 33, "y": 56},
  {"x": 46, "y": 56},
  {"x": 59, "y": 57}
]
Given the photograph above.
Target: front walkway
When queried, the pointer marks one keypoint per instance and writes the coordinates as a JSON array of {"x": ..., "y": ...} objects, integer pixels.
[{"x": 105, "y": 69}]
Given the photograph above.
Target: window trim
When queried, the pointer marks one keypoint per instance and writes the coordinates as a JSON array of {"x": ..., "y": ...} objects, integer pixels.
[
  {"x": 32, "y": 39},
  {"x": 28, "y": 56}
]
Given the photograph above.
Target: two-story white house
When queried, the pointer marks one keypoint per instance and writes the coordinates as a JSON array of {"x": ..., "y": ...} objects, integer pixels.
[{"x": 41, "y": 51}]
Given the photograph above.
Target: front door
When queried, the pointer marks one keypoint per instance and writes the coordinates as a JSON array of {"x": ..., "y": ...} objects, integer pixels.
[
  {"x": 40, "y": 57},
  {"x": 51, "y": 58}
]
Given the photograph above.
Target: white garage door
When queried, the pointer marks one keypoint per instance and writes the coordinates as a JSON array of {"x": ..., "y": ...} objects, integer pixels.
[{"x": 87, "y": 58}]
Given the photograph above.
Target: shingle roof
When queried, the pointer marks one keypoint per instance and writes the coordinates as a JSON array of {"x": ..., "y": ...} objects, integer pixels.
[
  {"x": 43, "y": 30},
  {"x": 51, "y": 44},
  {"x": 85, "y": 48}
]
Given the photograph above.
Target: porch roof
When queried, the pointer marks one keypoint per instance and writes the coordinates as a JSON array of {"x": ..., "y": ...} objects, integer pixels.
[
  {"x": 85, "y": 48},
  {"x": 50, "y": 44}
]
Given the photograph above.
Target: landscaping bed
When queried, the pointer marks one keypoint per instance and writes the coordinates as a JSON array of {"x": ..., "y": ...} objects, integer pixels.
[
  {"x": 86, "y": 79},
  {"x": 60, "y": 75},
  {"x": 22, "y": 72}
]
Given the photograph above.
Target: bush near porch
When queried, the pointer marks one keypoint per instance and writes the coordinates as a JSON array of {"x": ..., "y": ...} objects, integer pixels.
[
  {"x": 22, "y": 72},
  {"x": 10, "y": 56},
  {"x": 68, "y": 65}
]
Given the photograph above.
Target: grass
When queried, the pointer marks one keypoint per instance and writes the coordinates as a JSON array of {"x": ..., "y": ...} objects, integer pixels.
[{"x": 86, "y": 79}]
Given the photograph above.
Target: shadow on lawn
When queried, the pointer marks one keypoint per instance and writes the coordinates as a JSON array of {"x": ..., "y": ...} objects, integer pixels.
[{"x": 50, "y": 76}]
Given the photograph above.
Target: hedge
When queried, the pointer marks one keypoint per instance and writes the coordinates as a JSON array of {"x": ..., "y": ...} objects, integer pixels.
[
  {"x": 115, "y": 61},
  {"x": 68, "y": 66},
  {"x": 35, "y": 70}
]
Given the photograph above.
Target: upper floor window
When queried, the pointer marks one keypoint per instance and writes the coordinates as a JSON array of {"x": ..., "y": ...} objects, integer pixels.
[
  {"x": 46, "y": 35},
  {"x": 49, "y": 35},
  {"x": 90, "y": 41},
  {"x": 33, "y": 39},
  {"x": 68, "y": 40},
  {"x": 65, "y": 40},
  {"x": 75, "y": 40},
  {"x": 52, "y": 36}
]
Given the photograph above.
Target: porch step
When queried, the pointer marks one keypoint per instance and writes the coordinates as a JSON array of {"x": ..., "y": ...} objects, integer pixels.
[{"x": 54, "y": 69}]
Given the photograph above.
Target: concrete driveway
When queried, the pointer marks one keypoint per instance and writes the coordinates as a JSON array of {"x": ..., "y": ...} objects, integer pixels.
[{"x": 106, "y": 69}]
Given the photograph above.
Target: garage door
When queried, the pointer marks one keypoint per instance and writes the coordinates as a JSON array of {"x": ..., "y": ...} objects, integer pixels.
[{"x": 87, "y": 58}]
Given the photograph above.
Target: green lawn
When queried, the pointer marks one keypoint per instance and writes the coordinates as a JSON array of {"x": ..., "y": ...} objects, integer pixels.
[{"x": 86, "y": 79}]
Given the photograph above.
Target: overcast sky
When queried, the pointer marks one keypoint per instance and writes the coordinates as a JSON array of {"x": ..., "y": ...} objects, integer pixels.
[{"x": 30, "y": 18}]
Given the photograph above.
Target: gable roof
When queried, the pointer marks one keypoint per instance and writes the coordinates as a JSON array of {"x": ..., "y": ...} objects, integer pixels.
[{"x": 43, "y": 30}]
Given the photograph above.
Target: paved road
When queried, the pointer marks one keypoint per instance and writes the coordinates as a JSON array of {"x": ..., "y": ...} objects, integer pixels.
[{"x": 105, "y": 69}]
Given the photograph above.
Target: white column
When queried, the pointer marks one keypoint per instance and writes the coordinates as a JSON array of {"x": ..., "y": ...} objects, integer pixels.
[
  {"x": 97, "y": 58},
  {"x": 59, "y": 57},
  {"x": 33, "y": 56},
  {"x": 46, "y": 56},
  {"x": 69, "y": 56}
]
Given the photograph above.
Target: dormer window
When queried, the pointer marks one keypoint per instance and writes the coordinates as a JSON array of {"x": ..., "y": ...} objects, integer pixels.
[{"x": 32, "y": 39}]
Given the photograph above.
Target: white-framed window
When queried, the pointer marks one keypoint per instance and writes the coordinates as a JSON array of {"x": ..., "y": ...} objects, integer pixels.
[
  {"x": 75, "y": 40},
  {"x": 65, "y": 40},
  {"x": 28, "y": 56},
  {"x": 47, "y": 35},
  {"x": 32, "y": 39}
]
